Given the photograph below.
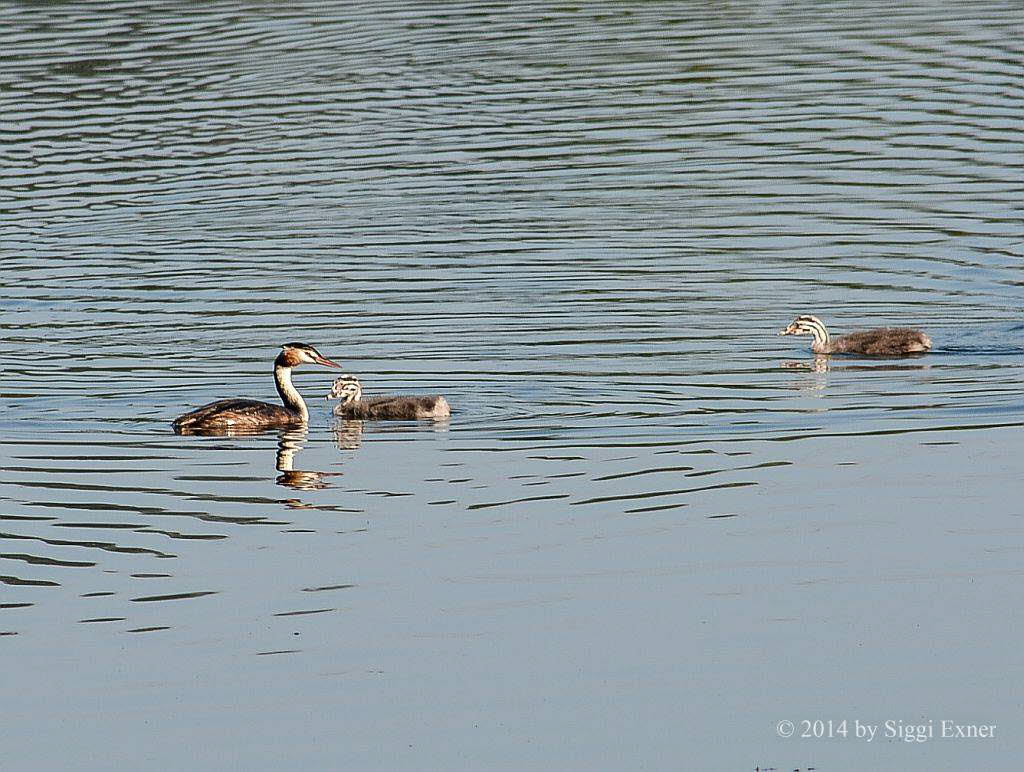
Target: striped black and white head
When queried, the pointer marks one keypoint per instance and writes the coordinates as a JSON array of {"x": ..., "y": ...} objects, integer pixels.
[
  {"x": 805, "y": 324},
  {"x": 295, "y": 354},
  {"x": 346, "y": 388}
]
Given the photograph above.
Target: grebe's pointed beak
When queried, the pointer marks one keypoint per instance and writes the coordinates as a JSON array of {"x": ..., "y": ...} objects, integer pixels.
[{"x": 325, "y": 362}]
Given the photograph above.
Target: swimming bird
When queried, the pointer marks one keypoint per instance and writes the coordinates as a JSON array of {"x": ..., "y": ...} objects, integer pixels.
[
  {"x": 350, "y": 391},
  {"x": 250, "y": 414},
  {"x": 884, "y": 341}
]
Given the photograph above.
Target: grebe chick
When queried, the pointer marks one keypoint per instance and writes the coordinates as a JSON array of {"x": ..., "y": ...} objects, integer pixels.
[
  {"x": 884, "y": 341},
  {"x": 250, "y": 414},
  {"x": 350, "y": 391}
]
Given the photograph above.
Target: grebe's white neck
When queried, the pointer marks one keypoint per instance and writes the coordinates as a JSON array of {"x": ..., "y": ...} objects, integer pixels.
[{"x": 289, "y": 394}]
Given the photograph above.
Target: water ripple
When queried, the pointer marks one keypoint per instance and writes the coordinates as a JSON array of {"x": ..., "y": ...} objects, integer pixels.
[{"x": 582, "y": 225}]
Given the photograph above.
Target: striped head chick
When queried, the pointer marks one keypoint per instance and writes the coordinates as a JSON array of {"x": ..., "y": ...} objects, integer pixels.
[
  {"x": 805, "y": 324},
  {"x": 346, "y": 388}
]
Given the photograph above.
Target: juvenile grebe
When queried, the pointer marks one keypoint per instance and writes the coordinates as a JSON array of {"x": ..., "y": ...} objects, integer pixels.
[
  {"x": 885, "y": 341},
  {"x": 252, "y": 415},
  {"x": 348, "y": 388}
]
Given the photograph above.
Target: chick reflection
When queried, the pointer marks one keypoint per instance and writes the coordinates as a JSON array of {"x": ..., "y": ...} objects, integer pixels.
[
  {"x": 348, "y": 435},
  {"x": 290, "y": 443},
  {"x": 824, "y": 364},
  {"x": 819, "y": 364},
  {"x": 818, "y": 368},
  {"x": 817, "y": 371}
]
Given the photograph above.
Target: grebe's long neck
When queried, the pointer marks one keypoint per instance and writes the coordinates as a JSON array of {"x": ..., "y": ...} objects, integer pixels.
[
  {"x": 289, "y": 394},
  {"x": 822, "y": 343}
]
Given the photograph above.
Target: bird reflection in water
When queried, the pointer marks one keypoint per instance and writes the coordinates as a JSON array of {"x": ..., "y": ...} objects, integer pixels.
[
  {"x": 348, "y": 435},
  {"x": 821, "y": 365},
  {"x": 816, "y": 372},
  {"x": 290, "y": 442}
]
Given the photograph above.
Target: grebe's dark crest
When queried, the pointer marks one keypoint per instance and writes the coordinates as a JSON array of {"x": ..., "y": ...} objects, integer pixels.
[
  {"x": 228, "y": 415},
  {"x": 885, "y": 341},
  {"x": 350, "y": 391}
]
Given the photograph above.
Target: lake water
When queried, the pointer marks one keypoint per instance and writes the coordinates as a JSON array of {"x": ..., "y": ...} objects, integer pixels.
[{"x": 652, "y": 529}]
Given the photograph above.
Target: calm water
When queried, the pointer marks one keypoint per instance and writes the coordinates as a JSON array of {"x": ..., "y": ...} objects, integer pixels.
[{"x": 652, "y": 528}]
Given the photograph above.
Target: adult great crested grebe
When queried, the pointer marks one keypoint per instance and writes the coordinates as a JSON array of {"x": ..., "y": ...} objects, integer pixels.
[
  {"x": 348, "y": 388},
  {"x": 251, "y": 414},
  {"x": 885, "y": 341}
]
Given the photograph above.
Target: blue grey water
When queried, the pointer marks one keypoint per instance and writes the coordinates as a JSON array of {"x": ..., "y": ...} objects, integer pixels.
[{"x": 652, "y": 529}]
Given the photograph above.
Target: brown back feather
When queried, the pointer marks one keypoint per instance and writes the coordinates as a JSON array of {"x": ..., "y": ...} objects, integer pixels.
[
  {"x": 395, "y": 408},
  {"x": 235, "y": 414},
  {"x": 884, "y": 341}
]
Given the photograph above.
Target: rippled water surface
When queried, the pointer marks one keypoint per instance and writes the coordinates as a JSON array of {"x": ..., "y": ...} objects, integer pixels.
[{"x": 652, "y": 528}]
